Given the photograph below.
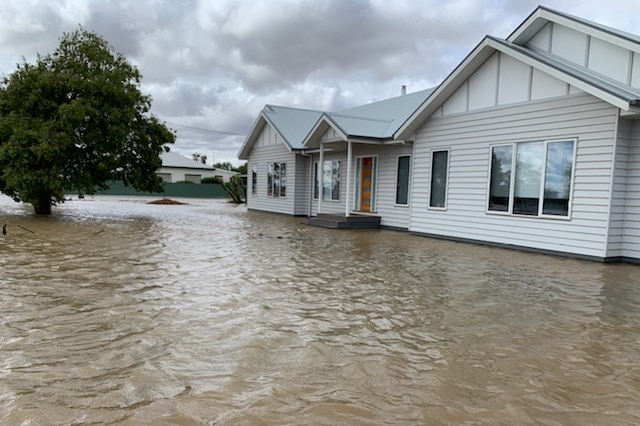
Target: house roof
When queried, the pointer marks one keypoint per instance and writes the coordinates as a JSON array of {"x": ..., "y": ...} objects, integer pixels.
[
  {"x": 379, "y": 119},
  {"x": 373, "y": 121},
  {"x": 607, "y": 89},
  {"x": 291, "y": 124},
  {"x": 171, "y": 159}
]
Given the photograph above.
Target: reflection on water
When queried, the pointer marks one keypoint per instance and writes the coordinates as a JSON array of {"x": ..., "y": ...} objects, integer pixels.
[{"x": 119, "y": 312}]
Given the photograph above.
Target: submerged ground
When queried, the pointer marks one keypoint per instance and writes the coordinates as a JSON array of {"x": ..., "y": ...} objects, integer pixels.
[{"x": 117, "y": 311}]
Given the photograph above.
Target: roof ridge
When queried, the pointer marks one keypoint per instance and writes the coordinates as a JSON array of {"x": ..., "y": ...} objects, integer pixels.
[
  {"x": 362, "y": 117},
  {"x": 293, "y": 108}
]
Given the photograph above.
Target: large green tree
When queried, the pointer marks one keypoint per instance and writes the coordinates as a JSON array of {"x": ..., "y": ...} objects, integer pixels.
[{"x": 74, "y": 120}]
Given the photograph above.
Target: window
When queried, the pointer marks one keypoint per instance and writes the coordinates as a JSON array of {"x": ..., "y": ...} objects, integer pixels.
[
  {"x": 532, "y": 178},
  {"x": 438, "y": 188},
  {"x": 331, "y": 180},
  {"x": 316, "y": 181},
  {"x": 254, "y": 179},
  {"x": 166, "y": 177},
  {"x": 192, "y": 178},
  {"x": 277, "y": 180},
  {"x": 402, "y": 180}
]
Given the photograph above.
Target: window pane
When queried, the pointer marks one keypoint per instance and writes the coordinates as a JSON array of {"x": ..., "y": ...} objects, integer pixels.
[
  {"x": 276, "y": 180},
  {"x": 335, "y": 182},
  {"x": 283, "y": 179},
  {"x": 316, "y": 180},
  {"x": 402, "y": 185},
  {"x": 438, "y": 193},
  {"x": 270, "y": 179},
  {"x": 326, "y": 180},
  {"x": 557, "y": 179},
  {"x": 254, "y": 179},
  {"x": 528, "y": 178},
  {"x": 500, "y": 184}
]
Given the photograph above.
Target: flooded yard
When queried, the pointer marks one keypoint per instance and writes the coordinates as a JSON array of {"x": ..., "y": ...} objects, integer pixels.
[{"x": 114, "y": 311}]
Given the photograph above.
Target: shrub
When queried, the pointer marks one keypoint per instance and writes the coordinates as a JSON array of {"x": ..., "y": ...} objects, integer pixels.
[{"x": 211, "y": 180}]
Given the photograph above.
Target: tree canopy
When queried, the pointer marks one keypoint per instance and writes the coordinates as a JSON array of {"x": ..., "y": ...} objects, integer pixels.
[{"x": 74, "y": 120}]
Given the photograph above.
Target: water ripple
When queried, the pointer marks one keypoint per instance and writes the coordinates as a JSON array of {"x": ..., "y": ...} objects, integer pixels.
[{"x": 119, "y": 312}]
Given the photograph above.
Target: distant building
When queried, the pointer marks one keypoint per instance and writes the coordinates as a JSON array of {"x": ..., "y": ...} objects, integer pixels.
[{"x": 176, "y": 168}]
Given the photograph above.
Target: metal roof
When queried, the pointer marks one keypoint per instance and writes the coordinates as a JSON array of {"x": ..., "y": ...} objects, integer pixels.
[
  {"x": 293, "y": 124},
  {"x": 379, "y": 119},
  {"x": 171, "y": 159}
]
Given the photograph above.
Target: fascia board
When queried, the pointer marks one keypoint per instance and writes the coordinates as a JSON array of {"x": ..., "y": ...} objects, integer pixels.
[
  {"x": 272, "y": 124},
  {"x": 317, "y": 131},
  {"x": 541, "y": 16},
  {"x": 258, "y": 124}
]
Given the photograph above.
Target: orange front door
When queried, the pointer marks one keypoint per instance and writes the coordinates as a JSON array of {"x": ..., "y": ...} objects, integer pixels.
[{"x": 366, "y": 184}]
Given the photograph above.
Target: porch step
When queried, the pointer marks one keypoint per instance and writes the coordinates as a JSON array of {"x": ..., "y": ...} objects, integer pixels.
[{"x": 340, "y": 221}]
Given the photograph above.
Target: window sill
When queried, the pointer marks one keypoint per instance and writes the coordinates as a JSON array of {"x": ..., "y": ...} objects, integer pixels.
[{"x": 526, "y": 216}]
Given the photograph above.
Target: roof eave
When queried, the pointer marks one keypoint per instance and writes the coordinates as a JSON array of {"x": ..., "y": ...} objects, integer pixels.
[
  {"x": 318, "y": 130},
  {"x": 543, "y": 15},
  {"x": 243, "y": 153}
]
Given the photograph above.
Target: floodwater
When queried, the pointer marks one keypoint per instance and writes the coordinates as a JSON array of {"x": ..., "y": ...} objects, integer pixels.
[{"x": 114, "y": 311}]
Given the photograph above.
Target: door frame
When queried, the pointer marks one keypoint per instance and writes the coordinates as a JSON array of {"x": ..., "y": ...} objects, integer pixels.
[{"x": 358, "y": 184}]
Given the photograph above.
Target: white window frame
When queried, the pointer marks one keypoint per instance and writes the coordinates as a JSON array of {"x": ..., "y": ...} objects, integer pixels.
[
  {"x": 254, "y": 179},
  {"x": 316, "y": 181},
  {"x": 271, "y": 181},
  {"x": 324, "y": 181},
  {"x": 395, "y": 198},
  {"x": 540, "y": 214},
  {"x": 446, "y": 185}
]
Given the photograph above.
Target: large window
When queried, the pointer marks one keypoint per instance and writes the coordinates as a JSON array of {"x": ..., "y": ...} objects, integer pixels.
[
  {"x": 331, "y": 180},
  {"x": 277, "y": 180},
  {"x": 439, "y": 172},
  {"x": 402, "y": 180},
  {"x": 193, "y": 178},
  {"x": 166, "y": 177},
  {"x": 254, "y": 179},
  {"x": 532, "y": 178}
]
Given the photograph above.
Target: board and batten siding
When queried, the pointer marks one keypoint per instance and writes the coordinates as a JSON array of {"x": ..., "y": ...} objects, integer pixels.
[
  {"x": 614, "y": 61},
  {"x": 469, "y": 137},
  {"x": 269, "y": 148}
]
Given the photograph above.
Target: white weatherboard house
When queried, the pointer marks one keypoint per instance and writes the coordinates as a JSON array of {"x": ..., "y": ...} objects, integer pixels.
[
  {"x": 532, "y": 142},
  {"x": 176, "y": 167}
]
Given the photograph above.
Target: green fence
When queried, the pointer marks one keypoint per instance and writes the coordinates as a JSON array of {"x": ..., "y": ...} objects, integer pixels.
[{"x": 188, "y": 190}]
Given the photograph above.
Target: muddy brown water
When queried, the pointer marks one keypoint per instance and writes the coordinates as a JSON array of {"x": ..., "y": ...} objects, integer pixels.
[{"x": 114, "y": 311}]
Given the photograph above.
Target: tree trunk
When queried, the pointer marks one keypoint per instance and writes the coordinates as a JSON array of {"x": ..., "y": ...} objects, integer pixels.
[{"x": 43, "y": 204}]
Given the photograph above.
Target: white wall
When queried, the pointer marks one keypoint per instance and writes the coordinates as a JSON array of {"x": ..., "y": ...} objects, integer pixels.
[
  {"x": 469, "y": 137},
  {"x": 620, "y": 188},
  {"x": 631, "y": 247},
  {"x": 502, "y": 80},
  {"x": 178, "y": 173},
  {"x": 269, "y": 148}
]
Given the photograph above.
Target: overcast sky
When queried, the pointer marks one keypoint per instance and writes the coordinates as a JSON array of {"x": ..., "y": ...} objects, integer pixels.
[{"x": 211, "y": 65}]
